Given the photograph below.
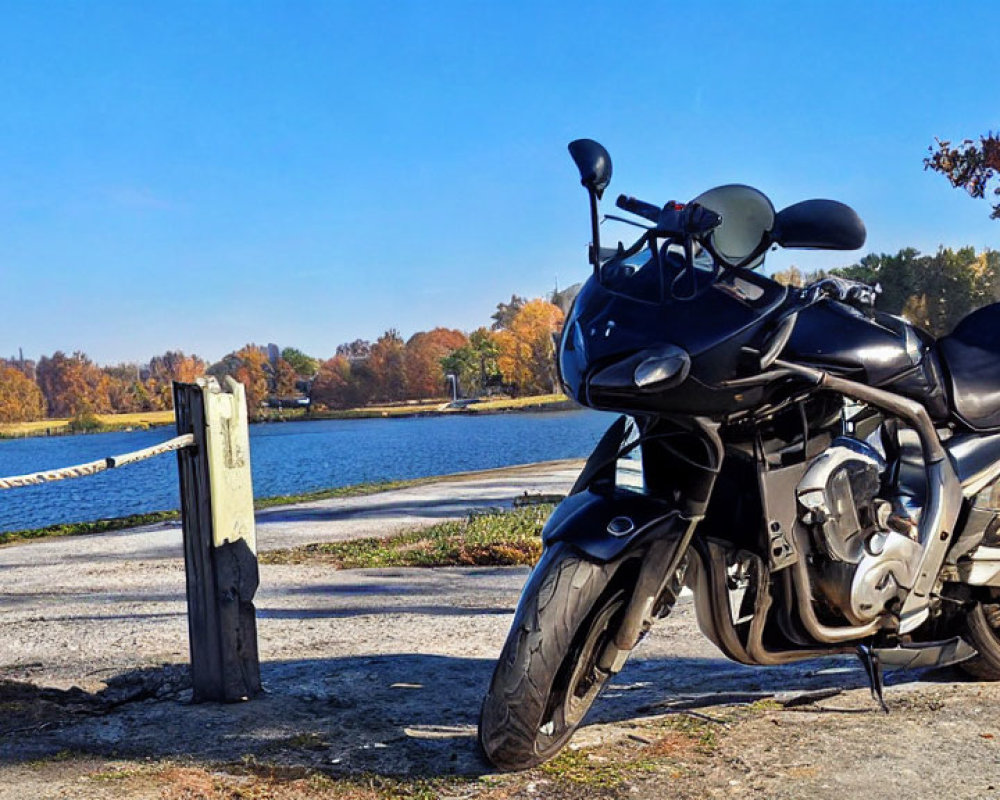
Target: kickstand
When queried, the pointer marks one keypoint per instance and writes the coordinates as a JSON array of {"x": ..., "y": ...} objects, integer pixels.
[{"x": 873, "y": 668}]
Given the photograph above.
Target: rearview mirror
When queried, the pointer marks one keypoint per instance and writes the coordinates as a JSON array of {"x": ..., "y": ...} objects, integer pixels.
[
  {"x": 819, "y": 224},
  {"x": 594, "y": 164}
]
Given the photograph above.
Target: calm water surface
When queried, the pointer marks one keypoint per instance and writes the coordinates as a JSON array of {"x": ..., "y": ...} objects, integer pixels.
[{"x": 288, "y": 458}]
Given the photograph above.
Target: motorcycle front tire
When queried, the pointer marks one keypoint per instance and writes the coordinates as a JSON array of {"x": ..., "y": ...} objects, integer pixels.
[{"x": 546, "y": 678}]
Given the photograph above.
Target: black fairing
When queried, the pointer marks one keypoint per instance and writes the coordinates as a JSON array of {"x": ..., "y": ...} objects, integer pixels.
[
  {"x": 880, "y": 350},
  {"x": 820, "y": 224},
  {"x": 605, "y": 328},
  {"x": 583, "y": 520}
]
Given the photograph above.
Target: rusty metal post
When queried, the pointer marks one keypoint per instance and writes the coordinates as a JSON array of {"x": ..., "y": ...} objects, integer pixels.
[{"x": 220, "y": 556}]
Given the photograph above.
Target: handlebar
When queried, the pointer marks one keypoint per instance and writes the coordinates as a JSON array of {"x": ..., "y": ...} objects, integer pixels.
[
  {"x": 638, "y": 207},
  {"x": 674, "y": 219},
  {"x": 843, "y": 289}
]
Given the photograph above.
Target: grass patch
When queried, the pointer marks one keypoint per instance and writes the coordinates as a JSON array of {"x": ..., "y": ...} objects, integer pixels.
[
  {"x": 492, "y": 539},
  {"x": 153, "y": 517},
  {"x": 105, "y": 422},
  {"x": 142, "y": 420},
  {"x": 539, "y": 401},
  {"x": 82, "y": 528},
  {"x": 260, "y": 782},
  {"x": 675, "y": 742},
  {"x": 586, "y": 768},
  {"x": 356, "y": 490}
]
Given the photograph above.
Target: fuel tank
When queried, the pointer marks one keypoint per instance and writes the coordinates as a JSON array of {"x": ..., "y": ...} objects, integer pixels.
[{"x": 880, "y": 350}]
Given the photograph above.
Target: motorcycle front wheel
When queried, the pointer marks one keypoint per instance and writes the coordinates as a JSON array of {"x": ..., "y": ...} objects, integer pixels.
[{"x": 547, "y": 676}]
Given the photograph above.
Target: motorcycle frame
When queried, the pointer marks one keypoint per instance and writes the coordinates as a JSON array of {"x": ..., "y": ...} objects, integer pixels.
[{"x": 663, "y": 540}]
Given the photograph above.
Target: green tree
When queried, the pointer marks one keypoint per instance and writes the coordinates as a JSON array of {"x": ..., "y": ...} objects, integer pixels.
[
  {"x": 304, "y": 366},
  {"x": 933, "y": 291},
  {"x": 475, "y": 363}
]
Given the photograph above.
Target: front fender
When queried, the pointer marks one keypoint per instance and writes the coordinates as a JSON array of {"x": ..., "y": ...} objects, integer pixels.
[{"x": 603, "y": 525}]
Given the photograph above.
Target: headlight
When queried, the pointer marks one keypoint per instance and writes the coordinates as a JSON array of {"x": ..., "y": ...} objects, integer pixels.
[
  {"x": 661, "y": 368},
  {"x": 648, "y": 370}
]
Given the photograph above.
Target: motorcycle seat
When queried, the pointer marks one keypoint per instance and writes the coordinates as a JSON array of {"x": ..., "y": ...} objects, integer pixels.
[{"x": 971, "y": 357}]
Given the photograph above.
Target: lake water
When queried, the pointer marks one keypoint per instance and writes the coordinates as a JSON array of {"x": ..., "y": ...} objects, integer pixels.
[{"x": 288, "y": 458}]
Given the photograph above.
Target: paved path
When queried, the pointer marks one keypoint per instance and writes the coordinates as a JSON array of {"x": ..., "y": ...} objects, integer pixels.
[{"x": 75, "y": 609}]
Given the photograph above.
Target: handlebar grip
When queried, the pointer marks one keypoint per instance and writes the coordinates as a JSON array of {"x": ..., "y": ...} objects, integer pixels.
[{"x": 638, "y": 207}]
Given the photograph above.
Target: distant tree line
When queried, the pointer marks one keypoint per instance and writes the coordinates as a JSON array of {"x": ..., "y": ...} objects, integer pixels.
[
  {"x": 514, "y": 355},
  {"x": 933, "y": 291}
]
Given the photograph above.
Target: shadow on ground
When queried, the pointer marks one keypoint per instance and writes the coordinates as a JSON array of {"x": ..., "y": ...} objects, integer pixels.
[{"x": 392, "y": 714}]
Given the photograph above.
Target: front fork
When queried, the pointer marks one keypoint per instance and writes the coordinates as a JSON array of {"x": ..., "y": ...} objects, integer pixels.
[
  {"x": 681, "y": 458},
  {"x": 657, "y": 587}
]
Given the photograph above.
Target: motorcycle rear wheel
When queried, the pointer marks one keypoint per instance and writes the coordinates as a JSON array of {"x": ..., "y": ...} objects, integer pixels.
[
  {"x": 547, "y": 679},
  {"x": 982, "y": 631}
]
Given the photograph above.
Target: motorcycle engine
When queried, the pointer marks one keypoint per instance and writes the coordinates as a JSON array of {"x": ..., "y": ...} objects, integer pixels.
[{"x": 863, "y": 555}]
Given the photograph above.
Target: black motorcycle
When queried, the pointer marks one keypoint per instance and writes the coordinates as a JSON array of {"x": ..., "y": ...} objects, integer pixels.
[{"x": 822, "y": 475}]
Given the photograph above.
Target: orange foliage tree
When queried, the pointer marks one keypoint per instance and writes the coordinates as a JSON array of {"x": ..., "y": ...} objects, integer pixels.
[
  {"x": 527, "y": 347},
  {"x": 333, "y": 386},
  {"x": 20, "y": 398},
  {"x": 387, "y": 363},
  {"x": 424, "y": 352},
  {"x": 250, "y": 366},
  {"x": 163, "y": 370},
  {"x": 73, "y": 385}
]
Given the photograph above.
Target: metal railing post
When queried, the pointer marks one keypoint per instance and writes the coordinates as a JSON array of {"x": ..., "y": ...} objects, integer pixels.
[{"x": 220, "y": 556}]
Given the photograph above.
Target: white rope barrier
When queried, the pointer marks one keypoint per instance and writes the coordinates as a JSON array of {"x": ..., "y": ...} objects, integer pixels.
[{"x": 93, "y": 467}]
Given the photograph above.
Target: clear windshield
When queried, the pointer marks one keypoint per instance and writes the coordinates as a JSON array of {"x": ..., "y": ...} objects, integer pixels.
[{"x": 660, "y": 271}]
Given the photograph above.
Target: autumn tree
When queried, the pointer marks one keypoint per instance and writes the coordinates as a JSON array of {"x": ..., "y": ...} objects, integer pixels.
[
  {"x": 387, "y": 363},
  {"x": 790, "y": 277},
  {"x": 126, "y": 391},
  {"x": 20, "y": 398},
  {"x": 174, "y": 365},
  {"x": 73, "y": 385},
  {"x": 285, "y": 378},
  {"x": 425, "y": 377},
  {"x": 342, "y": 383},
  {"x": 251, "y": 367},
  {"x": 527, "y": 347},
  {"x": 332, "y": 387},
  {"x": 163, "y": 370},
  {"x": 969, "y": 165}
]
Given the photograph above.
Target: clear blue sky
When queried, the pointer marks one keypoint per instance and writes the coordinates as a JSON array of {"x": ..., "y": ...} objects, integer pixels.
[{"x": 197, "y": 176}]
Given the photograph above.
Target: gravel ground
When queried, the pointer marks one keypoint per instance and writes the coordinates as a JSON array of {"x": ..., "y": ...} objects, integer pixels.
[{"x": 382, "y": 671}]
